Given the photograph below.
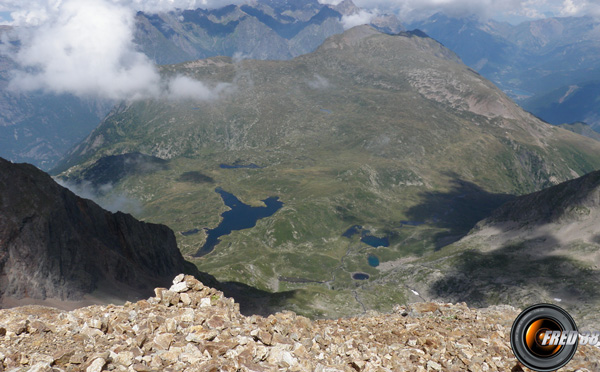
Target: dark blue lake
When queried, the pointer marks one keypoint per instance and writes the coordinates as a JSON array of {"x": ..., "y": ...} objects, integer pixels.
[
  {"x": 240, "y": 216},
  {"x": 373, "y": 260},
  {"x": 366, "y": 236},
  {"x": 374, "y": 241},
  {"x": 190, "y": 232},
  {"x": 360, "y": 276},
  {"x": 352, "y": 230}
]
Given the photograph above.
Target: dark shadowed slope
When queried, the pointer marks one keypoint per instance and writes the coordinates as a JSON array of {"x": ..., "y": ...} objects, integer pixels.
[
  {"x": 540, "y": 247},
  {"x": 55, "y": 244}
]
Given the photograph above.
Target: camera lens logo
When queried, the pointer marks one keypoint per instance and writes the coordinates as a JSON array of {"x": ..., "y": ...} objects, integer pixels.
[{"x": 544, "y": 337}]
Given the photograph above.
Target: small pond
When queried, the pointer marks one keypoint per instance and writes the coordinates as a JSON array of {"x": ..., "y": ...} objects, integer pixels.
[
  {"x": 190, "y": 232},
  {"x": 373, "y": 260},
  {"x": 360, "y": 276}
]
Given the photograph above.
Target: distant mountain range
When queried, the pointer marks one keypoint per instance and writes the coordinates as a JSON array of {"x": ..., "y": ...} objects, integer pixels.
[
  {"x": 39, "y": 128},
  {"x": 265, "y": 29},
  {"x": 551, "y": 67},
  {"x": 372, "y": 135}
]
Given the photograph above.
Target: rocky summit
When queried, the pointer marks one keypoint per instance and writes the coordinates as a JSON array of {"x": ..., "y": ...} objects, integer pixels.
[{"x": 192, "y": 327}]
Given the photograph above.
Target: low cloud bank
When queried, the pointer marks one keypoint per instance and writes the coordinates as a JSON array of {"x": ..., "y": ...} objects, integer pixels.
[
  {"x": 103, "y": 196},
  {"x": 86, "y": 48}
]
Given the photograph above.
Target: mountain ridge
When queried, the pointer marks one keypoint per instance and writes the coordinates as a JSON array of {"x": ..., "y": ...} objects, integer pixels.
[
  {"x": 535, "y": 62},
  {"x": 278, "y": 30}
]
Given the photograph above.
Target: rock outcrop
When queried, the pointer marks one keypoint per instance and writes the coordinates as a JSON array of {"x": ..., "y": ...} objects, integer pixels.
[
  {"x": 191, "y": 327},
  {"x": 54, "y": 244}
]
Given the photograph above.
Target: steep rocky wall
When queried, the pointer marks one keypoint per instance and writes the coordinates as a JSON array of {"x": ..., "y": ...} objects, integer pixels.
[{"x": 55, "y": 244}]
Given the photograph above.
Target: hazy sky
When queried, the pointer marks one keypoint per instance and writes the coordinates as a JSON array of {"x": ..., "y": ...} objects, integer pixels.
[{"x": 85, "y": 47}]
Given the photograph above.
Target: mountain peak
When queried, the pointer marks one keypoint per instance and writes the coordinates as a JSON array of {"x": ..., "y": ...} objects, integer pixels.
[
  {"x": 346, "y": 7},
  {"x": 350, "y": 37}
]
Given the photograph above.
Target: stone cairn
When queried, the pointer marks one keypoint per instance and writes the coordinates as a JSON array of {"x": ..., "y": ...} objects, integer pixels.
[{"x": 191, "y": 327}]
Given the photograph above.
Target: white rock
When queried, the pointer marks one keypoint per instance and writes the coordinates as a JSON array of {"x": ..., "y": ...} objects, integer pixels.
[
  {"x": 199, "y": 337},
  {"x": 185, "y": 298},
  {"x": 96, "y": 365},
  {"x": 287, "y": 357},
  {"x": 38, "y": 358},
  {"x": 179, "y": 287},
  {"x": 433, "y": 365},
  {"x": 91, "y": 332},
  {"x": 124, "y": 358},
  {"x": 193, "y": 351},
  {"x": 188, "y": 315},
  {"x": 95, "y": 323},
  {"x": 178, "y": 279},
  {"x": 41, "y": 367},
  {"x": 171, "y": 325}
]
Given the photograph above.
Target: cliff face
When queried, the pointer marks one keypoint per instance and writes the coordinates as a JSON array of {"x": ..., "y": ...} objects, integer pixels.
[
  {"x": 55, "y": 244},
  {"x": 191, "y": 327}
]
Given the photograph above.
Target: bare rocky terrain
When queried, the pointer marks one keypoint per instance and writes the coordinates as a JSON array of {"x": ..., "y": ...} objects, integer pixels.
[
  {"x": 54, "y": 244},
  {"x": 191, "y": 327}
]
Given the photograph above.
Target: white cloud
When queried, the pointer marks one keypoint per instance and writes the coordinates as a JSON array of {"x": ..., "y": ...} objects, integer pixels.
[
  {"x": 85, "y": 47},
  {"x": 103, "y": 196},
  {"x": 318, "y": 82},
  {"x": 330, "y": 2},
  {"x": 580, "y": 7},
  {"x": 183, "y": 87},
  {"x": 412, "y": 9},
  {"x": 32, "y": 12},
  {"x": 363, "y": 17}
]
